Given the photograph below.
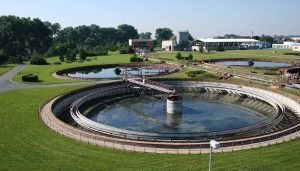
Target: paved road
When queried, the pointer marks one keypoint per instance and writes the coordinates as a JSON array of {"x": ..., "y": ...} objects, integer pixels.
[{"x": 6, "y": 83}]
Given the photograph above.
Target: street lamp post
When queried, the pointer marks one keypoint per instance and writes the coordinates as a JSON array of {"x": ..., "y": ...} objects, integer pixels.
[{"x": 213, "y": 145}]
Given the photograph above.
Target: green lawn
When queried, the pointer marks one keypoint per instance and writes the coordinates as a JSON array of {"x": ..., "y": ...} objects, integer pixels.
[
  {"x": 26, "y": 144},
  {"x": 44, "y": 71},
  {"x": 255, "y": 54},
  {"x": 5, "y": 67}
]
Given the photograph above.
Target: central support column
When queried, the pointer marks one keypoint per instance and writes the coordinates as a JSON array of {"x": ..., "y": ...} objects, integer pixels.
[{"x": 174, "y": 104}]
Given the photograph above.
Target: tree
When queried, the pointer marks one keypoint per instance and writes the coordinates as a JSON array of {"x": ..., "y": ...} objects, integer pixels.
[
  {"x": 126, "y": 49},
  {"x": 256, "y": 37},
  {"x": 71, "y": 55},
  {"x": 145, "y": 35},
  {"x": 61, "y": 51},
  {"x": 265, "y": 38},
  {"x": 21, "y": 37},
  {"x": 127, "y": 32},
  {"x": 163, "y": 34},
  {"x": 173, "y": 38},
  {"x": 82, "y": 54},
  {"x": 190, "y": 57}
]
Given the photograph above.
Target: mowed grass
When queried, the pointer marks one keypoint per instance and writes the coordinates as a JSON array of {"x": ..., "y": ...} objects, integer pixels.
[
  {"x": 26, "y": 144},
  {"x": 264, "y": 54},
  {"x": 44, "y": 71},
  {"x": 5, "y": 67}
]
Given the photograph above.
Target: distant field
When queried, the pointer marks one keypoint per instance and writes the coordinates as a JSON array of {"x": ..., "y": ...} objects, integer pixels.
[
  {"x": 5, "y": 67},
  {"x": 44, "y": 71},
  {"x": 266, "y": 54},
  {"x": 26, "y": 144}
]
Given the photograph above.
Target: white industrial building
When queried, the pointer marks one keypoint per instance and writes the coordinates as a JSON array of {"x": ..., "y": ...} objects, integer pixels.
[
  {"x": 228, "y": 44},
  {"x": 296, "y": 47},
  {"x": 285, "y": 45},
  {"x": 168, "y": 45}
]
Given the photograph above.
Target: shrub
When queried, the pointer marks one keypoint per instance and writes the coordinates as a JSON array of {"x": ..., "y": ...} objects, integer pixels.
[
  {"x": 38, "y": 61},
  {"x": 195, "y": 73},
  {"x": 30, "y": 78},
  {"x": 15, "y": 60},
  {"x": 71, "y": 55},
  {"x": 136, "y": 59},
  {"x": 56, "y": 63},
  {"x": 190, "y": 57},
  {"x": 178, "y": 56},
  {"x": 61, "y": 58},
  {"x": 3, "y": 57},
  {"x": 125, "y": 49},
  {"x": 220, "y": 49},
  {"x": 82, "y": 54},
  {"x": 270, "y": 73}
]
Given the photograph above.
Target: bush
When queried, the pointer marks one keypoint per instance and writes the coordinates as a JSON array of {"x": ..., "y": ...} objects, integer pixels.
[
  {"x": 61, "y": 58},
  {"x": 270, "y": 73},
  {"x": 30, "y": 78},
  {"x": 56, "y": 63},
  {"x": 195, "y": 73},
  {"x": 136, "y": 59},
  {"x": 38, "y": 61},
  {"x": 15, "y": 60},
  {"x": 220, "y": 49},
  {"x": 71, "y": 55},
  {"x": 125, "y": 49},
  {"x": 3, "y": 57},
  {"x": 82, "y": 54},
  {"x": 190, "y": 57},
  {"x": 178, "y": 56}
]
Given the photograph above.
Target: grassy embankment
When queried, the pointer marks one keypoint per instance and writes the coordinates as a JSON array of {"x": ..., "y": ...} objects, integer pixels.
[
  {"x": 5, "y": 67},
  {"x": 26, "y": 144}
]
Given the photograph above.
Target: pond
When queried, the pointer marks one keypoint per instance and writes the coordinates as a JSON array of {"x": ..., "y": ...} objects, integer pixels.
[
  {"x": 110, "y": 72},
  {"x": 260, "y": 64}
]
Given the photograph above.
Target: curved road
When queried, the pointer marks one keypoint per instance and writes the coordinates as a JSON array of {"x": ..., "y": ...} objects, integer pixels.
[{"x": 7, "y": 84}]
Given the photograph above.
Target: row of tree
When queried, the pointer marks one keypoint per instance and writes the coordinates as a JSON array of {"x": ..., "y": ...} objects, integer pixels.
[{"x": 21, "y": 38}]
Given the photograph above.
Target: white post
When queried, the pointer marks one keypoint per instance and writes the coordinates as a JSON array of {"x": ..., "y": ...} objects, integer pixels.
[
  {"x": 213, "y": 144},
  {"x": 209, "y": 162}
]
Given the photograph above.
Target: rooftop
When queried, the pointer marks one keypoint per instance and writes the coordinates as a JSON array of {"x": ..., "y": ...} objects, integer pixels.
[{"x": 212, "y": 40}]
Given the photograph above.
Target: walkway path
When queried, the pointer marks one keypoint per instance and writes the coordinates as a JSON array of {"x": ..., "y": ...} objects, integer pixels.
[
  {"x": 7, "y": 84},
  {"x": 151, "y": 84}
]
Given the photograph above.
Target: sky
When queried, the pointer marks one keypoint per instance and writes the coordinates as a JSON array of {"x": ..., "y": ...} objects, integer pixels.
[{"x": 202, "y": 18}]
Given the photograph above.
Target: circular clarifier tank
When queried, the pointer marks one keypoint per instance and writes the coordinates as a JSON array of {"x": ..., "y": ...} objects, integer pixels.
[
  {"x": 114, "y": 71},
  {"x": 201, "y": 112}
]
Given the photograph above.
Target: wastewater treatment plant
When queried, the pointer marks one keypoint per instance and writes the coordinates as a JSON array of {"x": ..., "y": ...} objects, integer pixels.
[{"x": 186, "y": 85}]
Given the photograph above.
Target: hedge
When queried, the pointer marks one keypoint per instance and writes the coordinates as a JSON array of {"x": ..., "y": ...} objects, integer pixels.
[{"x": 30, "y": 78}]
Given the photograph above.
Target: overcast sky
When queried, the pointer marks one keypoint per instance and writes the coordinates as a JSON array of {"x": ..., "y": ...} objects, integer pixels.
[{"x": 203, "y": 18}]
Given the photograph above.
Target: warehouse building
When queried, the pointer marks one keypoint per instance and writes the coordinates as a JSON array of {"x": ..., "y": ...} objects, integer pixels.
[
  {"x": 142, "y": 44},
  {"x": 229, "y": 44}
]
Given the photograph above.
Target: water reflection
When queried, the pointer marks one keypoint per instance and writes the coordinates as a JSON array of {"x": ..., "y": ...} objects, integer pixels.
[
  {"x": 115, "y": 72},
  {"x": 200, "y": 113},
  {"x": 253, "y": 63}
]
